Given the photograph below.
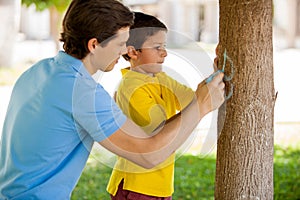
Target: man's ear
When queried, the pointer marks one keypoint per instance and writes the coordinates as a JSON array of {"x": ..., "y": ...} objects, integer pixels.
[
  {"x": 92, "y": 43},
  {"x": 132, "y": 52}
]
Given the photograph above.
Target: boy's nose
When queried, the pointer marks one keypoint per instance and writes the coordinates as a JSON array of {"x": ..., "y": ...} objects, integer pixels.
[{"x": 164, "y": 52}]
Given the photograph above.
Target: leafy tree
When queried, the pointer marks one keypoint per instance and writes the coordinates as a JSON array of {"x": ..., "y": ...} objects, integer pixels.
[
  {"x": 56, "y": 8},
  {"x": 41, "y": 5}
]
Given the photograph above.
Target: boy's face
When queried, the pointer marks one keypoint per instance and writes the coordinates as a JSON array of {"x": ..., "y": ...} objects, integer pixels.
[
  {"x": 109, "y": 55},
  {"x": 153, "y": 53}
]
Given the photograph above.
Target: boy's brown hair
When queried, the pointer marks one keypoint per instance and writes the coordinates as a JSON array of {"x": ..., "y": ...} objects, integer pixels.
[{"x": 144, "y": 26}]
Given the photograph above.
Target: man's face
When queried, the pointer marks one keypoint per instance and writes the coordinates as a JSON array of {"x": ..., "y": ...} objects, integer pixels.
[{"x": 109, "y": 55}]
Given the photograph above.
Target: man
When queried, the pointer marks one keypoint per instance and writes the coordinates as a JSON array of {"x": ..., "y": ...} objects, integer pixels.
[{"x": 57, "y": 110}]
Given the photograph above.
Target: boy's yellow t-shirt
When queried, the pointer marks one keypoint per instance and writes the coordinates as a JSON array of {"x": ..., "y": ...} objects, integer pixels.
[{"x": 148, "y": 101}]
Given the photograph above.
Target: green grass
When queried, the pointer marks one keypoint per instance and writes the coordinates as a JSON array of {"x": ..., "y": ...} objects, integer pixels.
[
  {"x": 92, "y": 183},
  {"x": 287, "y": 173},
  {"x": 194, "y": 177}
]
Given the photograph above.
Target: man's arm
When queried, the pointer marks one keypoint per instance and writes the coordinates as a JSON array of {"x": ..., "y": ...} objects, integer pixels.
[{"x": 132, "y": 143}]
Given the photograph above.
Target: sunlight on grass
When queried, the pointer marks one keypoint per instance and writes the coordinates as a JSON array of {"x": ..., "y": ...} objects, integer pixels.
[
  {"x": 194, "y": 177},
  {"x": 8, "y": 76}
]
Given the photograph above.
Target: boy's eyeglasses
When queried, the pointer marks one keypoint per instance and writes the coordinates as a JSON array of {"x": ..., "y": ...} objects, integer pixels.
[{"x": 158, "y": 48}]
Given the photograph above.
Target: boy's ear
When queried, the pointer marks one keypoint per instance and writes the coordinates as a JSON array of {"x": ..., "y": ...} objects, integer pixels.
[{"x": 132, "y": 52}]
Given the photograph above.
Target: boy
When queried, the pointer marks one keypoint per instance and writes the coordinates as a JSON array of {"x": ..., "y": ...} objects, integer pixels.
[
  {"x": 57, "y": 111},
  {"x": 149, "y": 97}
]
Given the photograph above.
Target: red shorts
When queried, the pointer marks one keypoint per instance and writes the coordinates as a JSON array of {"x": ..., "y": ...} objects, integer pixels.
[{"x": 129, "y": 195}]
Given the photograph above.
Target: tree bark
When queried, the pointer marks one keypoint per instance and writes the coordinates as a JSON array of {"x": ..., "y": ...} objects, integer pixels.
[
  {"x": 55, "y": 25},
  {"x": 244, "y": 168}
]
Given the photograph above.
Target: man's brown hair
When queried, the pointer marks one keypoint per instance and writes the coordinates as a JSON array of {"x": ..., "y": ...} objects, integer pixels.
[{"x": 87, "y": 19}]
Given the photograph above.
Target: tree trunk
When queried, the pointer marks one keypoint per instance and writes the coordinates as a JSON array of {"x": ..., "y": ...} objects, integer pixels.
[
  {"x": 55, "y": 25},
  {"x": 292, "y": 23},
  {"x": 245, "y": 146}
]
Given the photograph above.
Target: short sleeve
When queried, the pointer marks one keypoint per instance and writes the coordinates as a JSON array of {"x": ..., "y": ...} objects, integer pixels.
[
  {"x": 145, "y": 111},
  {"x": 95, "y": 112},
  {"x": 183, "y": 94}
]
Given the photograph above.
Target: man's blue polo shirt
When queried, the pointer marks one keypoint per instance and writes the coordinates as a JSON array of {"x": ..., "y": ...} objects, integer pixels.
[{"x": 55, "y": 113}]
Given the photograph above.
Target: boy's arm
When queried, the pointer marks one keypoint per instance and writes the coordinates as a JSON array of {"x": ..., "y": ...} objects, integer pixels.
[{"x": 132, "y": 143}]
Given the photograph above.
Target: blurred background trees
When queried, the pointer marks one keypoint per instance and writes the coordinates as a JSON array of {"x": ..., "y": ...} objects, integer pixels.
[
  {"x": 40, "y": 5},
  {"x": 197, "y": 19},
  {"x": 8, "y": 29},
  {"x": 10, "y": 15}
]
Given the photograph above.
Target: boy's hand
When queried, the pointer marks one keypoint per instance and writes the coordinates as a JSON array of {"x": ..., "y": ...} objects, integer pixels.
[{"x": 210, "y": 96}]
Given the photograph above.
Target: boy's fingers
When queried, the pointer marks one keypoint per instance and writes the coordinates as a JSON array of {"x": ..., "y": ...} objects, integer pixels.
[
  {"x": 218, "y": 82},
  {"x": 218, "y": 48},
  {"x": 222, "y": 85},
  {"x": 218, "y": 78},
  {"x": 216, "y": 62}
]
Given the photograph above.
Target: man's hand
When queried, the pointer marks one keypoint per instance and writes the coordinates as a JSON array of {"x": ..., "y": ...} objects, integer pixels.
[{"x": 210, "y": 96}]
